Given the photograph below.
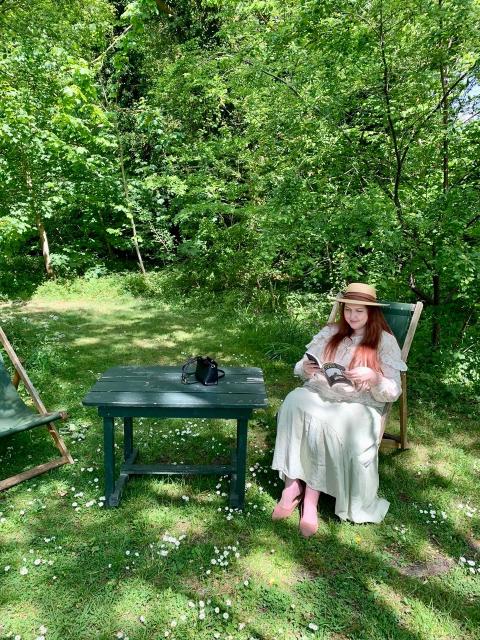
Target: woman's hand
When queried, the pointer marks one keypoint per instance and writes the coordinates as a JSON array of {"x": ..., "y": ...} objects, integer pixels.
[
  {"x": 310, "y": 368},
  {"x": 363, "y": 377}
]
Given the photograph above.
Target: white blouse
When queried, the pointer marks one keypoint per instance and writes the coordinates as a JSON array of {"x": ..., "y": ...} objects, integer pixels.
[{"x": 388, "y": 388}]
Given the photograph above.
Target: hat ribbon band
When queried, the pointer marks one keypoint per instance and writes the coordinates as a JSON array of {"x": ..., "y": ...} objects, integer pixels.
[{"x": 359, "y": 296}]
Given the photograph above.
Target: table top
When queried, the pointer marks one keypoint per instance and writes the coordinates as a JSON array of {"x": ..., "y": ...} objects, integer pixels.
[{"x": 161, "y": 387}]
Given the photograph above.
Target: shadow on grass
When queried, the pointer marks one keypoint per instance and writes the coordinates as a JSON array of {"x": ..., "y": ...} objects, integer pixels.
[{"x": 345, "y": 588}]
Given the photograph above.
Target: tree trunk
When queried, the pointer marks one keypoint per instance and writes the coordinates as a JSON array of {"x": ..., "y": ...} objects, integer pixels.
[
  {"x": 128, "y": 203},
  {"x": 399, "y": 155},
  {"x": 435, "y": 310},
  {"x": 42, "y": 234},
  {"x": 105, "y": 235},
  {"x": 125, "y": 187}
]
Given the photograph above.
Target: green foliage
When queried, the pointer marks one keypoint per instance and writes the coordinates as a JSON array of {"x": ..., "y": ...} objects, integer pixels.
[
  {"x": 91, "y": 286},
  {"x": 58, "y": 170},
  {"x": 156, "y": 285},
  {"x": 257, "y": 134},
  {"x": 258, "y": 150},
  {"x": 19, "y": 276}
]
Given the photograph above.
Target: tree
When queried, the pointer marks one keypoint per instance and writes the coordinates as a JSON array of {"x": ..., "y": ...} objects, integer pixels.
[{"x": 47, "y": 117}]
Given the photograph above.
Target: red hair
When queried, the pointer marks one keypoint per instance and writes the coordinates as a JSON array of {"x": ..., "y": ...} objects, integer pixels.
[{"x": 366, "y": 354}]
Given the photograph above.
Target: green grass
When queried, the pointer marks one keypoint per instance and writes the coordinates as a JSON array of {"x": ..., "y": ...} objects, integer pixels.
[{"x": 138, "y": 569}]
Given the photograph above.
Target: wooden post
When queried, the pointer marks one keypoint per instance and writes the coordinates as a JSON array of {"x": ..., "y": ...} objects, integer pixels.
[
  {"x": 241, "y": 461},
  {"x": 127, "y": 437},
  {"x": 333, "y": 313},
  {"x": 411, "y": 330},
  {"x": 403, "y": 411},
  {"x": 109, "y": 460}
]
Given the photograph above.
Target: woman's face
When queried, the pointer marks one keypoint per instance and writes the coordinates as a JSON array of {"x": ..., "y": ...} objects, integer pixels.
[{"x": 356, "y": 315}]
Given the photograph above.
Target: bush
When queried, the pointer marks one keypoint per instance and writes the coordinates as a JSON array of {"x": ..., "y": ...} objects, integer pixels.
[
  {"x": 20, "y": 276},
  {"x": 106, "y": 287},
  {"x": 167, "y": 285}
]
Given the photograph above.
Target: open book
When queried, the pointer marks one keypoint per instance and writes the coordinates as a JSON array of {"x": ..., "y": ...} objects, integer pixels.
[{"x": 333, "y": 371}]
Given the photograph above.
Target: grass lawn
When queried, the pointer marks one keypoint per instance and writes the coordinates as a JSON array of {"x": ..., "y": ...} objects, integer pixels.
[{"x": 172, "y": 561}]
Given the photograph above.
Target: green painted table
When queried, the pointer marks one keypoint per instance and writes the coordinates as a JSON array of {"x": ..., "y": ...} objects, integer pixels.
[{"x": 157, "y": 392}]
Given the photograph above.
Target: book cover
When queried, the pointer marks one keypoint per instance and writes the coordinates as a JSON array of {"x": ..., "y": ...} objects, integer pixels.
[
  {"x": 332, "y": 370},
  {"x": 334, "y": 373}
]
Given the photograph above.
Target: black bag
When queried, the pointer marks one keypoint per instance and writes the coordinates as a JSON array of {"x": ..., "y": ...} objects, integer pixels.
[{"x": 206, "y": 371}]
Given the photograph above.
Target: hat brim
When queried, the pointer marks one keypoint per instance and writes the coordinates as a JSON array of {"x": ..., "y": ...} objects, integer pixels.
[{"x": 361, "y": 302}]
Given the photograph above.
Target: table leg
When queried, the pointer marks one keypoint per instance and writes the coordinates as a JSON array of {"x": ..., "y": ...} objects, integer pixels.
[
  {"x": 127, "y": 438},
  {"x": 237, "y": 487},
  {"x": 109, "y": 456}
]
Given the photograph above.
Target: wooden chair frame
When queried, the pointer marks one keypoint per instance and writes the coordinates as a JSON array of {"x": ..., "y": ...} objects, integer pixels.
[
  {"x": 21, "y": 375},
  {"x": 401, "y": 440}
]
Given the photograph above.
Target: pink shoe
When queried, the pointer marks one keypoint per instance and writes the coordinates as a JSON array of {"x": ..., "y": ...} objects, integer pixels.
[
  {"x": 280, "y": 513},
  {"x": 308, "y": 528}
]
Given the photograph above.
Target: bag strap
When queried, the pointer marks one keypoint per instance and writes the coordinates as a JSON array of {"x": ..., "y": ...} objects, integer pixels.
[
  {"x": 189, "y": 362},
  {"x": 185, "y": 374}
]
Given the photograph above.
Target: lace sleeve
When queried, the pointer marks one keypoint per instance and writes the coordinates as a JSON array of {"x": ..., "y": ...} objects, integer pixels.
[{"x": 389, "y": 387}]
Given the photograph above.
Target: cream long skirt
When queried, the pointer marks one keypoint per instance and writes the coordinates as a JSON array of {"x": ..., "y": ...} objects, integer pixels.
[{"x": 333, "y": 447}]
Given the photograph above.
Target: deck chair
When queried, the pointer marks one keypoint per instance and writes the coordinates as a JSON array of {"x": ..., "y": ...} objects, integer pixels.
[
  {"x": 16, "y": 416},
  {"x": 402, "y": 319}
]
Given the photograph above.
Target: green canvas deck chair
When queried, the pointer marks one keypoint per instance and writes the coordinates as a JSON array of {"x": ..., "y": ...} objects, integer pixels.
[
  {"x": 402, "y": 319},
  {"x": 16, "y": 416}
]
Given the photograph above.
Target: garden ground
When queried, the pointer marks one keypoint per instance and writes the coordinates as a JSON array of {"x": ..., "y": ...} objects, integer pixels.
[{"x": 173, "y": 561}]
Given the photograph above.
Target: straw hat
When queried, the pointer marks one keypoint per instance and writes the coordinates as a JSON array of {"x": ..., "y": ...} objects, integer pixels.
[{"x": 360, "y": 293}]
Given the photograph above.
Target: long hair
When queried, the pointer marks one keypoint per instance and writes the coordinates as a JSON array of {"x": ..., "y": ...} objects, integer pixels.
[{"x": 366, "y": 354}]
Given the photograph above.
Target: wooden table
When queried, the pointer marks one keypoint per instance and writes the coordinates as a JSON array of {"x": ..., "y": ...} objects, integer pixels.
[{"x": 157, "y": 392}]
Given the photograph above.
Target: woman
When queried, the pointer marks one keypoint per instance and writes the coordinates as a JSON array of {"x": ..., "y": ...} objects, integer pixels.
[{"x": 328, "y": 436}]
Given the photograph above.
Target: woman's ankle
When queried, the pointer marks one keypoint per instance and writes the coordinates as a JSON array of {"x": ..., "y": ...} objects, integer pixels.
[
  {"x": 310, "y": 499},
  {"x": 308, "y": 514},
  {"x": 293, "y": 488}
]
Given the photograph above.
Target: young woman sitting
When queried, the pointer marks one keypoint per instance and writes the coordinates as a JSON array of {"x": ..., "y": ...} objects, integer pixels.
[{"x": 328, "y": 436}]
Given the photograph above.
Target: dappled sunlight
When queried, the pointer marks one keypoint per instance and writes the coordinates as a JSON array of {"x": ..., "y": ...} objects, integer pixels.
[
  {"x": 13, "y": 537},
  {"x": 154, "y": 343},
  {"x": 84, "y": 342},
  {"x": 275, "y": 567},
  {"x": 135, "y": 600},
  {"x": 272, "y": 567},
  {"x": 416, "y": 615}
]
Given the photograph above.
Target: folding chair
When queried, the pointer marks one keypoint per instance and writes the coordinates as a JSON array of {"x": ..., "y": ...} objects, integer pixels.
[
  {"x": 402, "y": 319},
  {"x": 16, "y": 416}
]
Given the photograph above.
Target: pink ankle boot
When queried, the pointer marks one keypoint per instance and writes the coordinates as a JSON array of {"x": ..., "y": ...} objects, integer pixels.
[
  {"x": 290, "y": 502},
  {"x": 308, "y": 513}
]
